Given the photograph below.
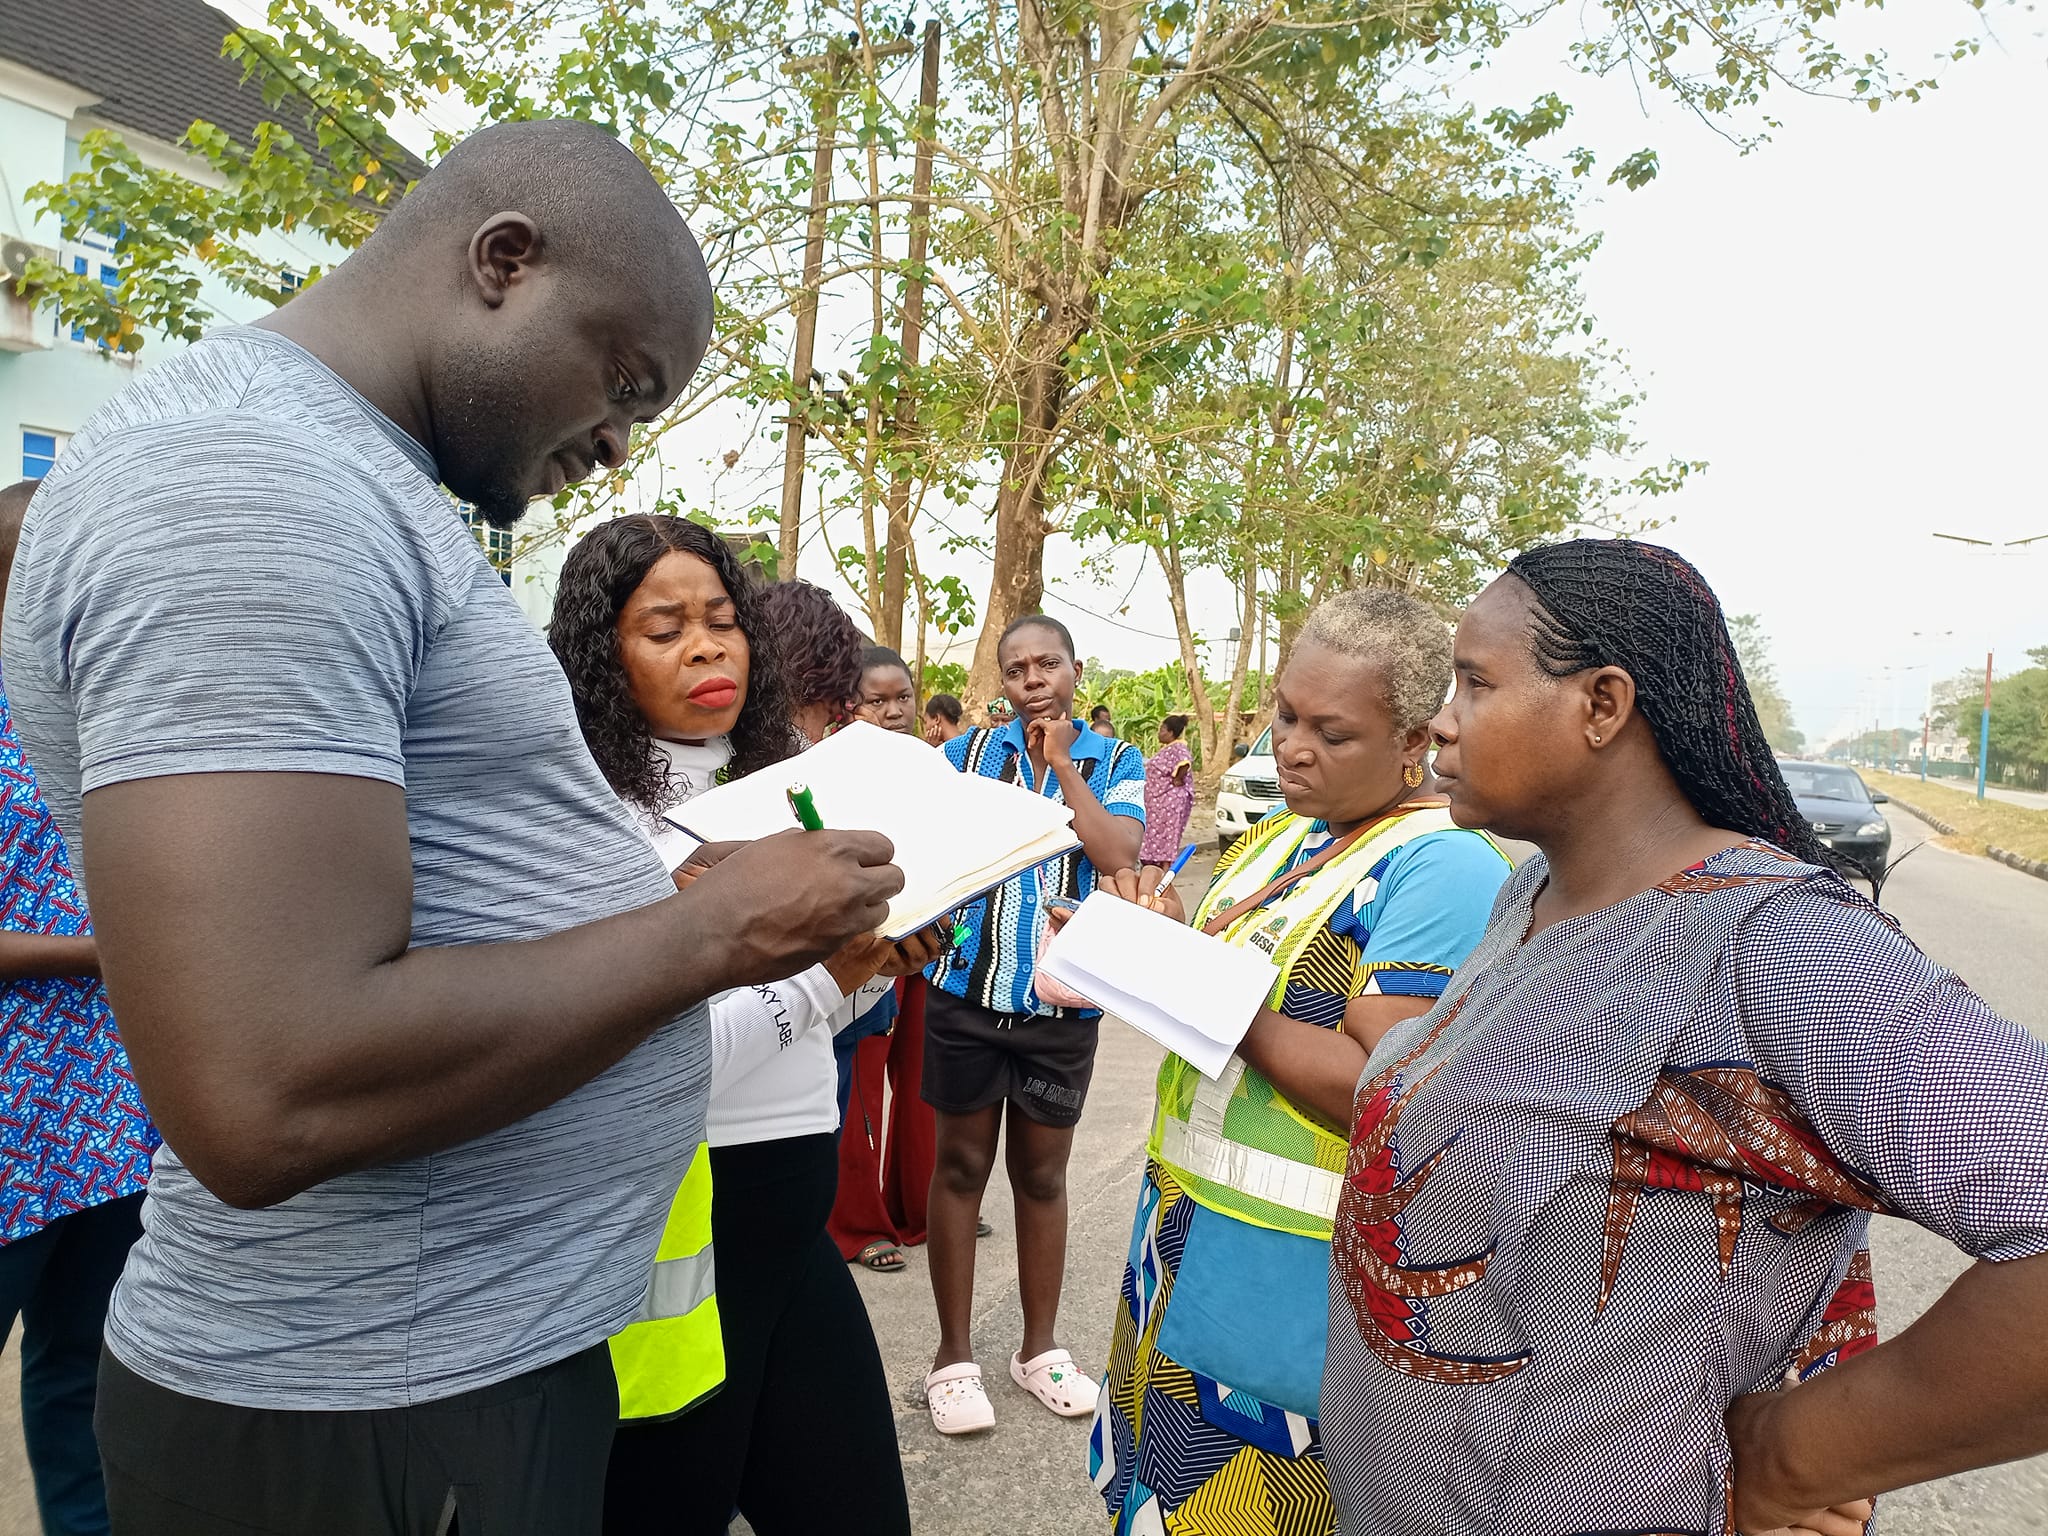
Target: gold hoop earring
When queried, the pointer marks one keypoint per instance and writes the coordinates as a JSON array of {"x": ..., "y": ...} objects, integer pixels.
[{"x": 1412, "y": 775}]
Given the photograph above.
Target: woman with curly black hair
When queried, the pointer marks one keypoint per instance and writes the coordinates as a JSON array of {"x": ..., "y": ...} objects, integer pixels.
[
  {"x": 680, "y": 673},
  {"x": 602, "y": 576}
]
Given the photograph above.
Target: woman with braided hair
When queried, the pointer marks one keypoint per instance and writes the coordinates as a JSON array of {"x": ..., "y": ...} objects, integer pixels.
[
  {"x": 1599, "y": 1263},
  {"x": 1364, "y": 897}
]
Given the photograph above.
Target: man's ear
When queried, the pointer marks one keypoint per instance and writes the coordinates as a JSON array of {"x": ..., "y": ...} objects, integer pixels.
[{"x": 504, "y": 249}]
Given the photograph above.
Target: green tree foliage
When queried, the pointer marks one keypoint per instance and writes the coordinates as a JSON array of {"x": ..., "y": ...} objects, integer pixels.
[
  {"x": 2019, "y": 720},
  {"x": 1221, "y": 277},
  {"x": 1774, "y": 712},
  {"x": 1303, "y": 401},
  {"x": 1138, "y": 701}
]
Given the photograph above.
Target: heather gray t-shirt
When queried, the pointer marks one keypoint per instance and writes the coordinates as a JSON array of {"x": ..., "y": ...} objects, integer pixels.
[{"x": 240, "y": 565}]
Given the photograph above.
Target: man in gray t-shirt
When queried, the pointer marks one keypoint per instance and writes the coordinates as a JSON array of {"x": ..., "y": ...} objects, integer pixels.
[{"x": 412, "y": 999}]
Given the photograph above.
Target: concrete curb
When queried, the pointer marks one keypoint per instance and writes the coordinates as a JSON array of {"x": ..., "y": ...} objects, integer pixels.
[
  {"x": 2035, "y": 867},
  {"x": 1929, "y": 817}
]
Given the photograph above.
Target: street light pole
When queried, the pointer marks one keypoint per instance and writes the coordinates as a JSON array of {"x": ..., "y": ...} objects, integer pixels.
[
  {"x": 1926, "y": 669},
  {"x": 2024, "y": 546},
  {"x": 1926, "y": 722},
  {"x": 1984, "y": 729},
  {"x": 1891, "y": 735}
]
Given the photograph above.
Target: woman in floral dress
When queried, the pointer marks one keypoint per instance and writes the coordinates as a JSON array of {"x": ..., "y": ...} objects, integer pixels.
[
  {"x": 1366, "y": 897},
  {"x": 1169, "y": 793}
]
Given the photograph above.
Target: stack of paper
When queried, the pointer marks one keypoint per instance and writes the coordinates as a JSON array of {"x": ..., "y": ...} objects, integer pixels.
[
  {"x": 1193, "y": 994},
  {"x": 956, "y": 835}
]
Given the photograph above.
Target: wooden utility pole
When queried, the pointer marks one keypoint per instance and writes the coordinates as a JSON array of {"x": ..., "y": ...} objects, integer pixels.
[
  {"x": 790, "y": 533},
  {"x": 833, "y": 62},
  {"x": 896, "y": 554}
]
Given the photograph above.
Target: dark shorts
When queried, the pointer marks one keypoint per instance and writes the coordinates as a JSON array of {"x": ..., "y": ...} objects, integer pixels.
[
  {"x": 523, "y": 1458},
  {"x": 974, "y": 1058}
]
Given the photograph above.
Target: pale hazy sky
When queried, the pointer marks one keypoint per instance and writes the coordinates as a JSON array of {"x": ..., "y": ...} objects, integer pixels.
[{"x": 1849, "y": 325}]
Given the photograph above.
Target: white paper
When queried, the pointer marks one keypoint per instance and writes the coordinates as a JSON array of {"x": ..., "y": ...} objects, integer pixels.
[
  {"x": 956, "y": 834},
  {"x": 1193, "y": 994}
]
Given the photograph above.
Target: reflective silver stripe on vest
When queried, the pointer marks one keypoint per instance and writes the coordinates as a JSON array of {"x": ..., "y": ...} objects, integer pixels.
[
  {"x": 678, "y": 1287},
  {"x": 1262, "y": 1175}
]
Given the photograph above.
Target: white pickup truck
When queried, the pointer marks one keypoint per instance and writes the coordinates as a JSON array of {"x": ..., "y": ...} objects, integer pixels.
[{"x": 1249, "y": 791}]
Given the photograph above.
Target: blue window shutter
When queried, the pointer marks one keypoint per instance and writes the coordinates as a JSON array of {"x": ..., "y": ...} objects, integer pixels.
[{"x": 38, "y": 454}]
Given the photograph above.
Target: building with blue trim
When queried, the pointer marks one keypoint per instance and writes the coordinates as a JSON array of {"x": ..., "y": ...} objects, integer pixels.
[{"x": 146, "y": 69}]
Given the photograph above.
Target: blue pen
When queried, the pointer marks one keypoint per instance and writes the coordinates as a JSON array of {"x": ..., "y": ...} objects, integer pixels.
[{"x": 1181, "y": 863}]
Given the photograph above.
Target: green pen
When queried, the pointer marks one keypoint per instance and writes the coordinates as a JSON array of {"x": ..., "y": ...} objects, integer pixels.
[{"x": 806, "y": 810}]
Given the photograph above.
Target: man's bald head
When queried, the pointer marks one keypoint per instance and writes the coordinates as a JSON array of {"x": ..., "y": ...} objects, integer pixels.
[
  {"x": 598, "y": 207},
  {"x": 560, "y": 296}
]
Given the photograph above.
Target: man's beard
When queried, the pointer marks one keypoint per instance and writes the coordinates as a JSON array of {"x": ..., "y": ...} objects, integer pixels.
[
  {"x": 483, "y": 475},
  {"x": 501, "y": 508},
  {"x": 483, "y": 461}
]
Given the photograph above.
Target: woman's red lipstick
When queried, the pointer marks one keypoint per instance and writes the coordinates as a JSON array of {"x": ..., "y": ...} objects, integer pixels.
[{"x": 714, "y": 692}]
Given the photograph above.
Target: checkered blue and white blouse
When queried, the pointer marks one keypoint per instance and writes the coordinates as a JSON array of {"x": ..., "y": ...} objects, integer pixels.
[{"x": 1622, "y": 1173}]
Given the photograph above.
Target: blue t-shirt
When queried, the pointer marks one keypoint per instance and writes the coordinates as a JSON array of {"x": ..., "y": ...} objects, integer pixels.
[
  {"x": 1384, "y": 940},
  {"x": 993, "y": 968},
  {"x": 240, "y": 566}
]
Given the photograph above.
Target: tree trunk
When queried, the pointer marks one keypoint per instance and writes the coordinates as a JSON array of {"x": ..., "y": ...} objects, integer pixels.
[
  {"x": 790, "y": 530},
  {"x": 896, "y": 558},
  {"x": 1248, "y": 619},
  {"x": 871, "y": 423},
  {"x": 1212, "y": 734},
  {"x": 924, "y": 617},
  {"x": 1017, "y": 584}
]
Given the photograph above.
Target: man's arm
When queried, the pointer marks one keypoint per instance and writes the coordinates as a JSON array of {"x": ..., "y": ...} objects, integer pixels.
[
  {"x": 255, "y": 932},
  {"x": 40, "y": 956}
]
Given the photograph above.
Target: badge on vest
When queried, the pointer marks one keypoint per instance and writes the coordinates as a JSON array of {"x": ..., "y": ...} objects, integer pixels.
[{"x": 1267, "y": 939}]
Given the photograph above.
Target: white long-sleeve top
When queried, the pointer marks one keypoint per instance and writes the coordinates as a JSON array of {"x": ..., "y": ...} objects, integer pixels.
[{"x": 772, "y": 1074}]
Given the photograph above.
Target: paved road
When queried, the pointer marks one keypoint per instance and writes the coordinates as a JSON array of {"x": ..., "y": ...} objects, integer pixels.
[
  {"x": 1988, "y": 922},
  {"x": 2033, "y": 800}
]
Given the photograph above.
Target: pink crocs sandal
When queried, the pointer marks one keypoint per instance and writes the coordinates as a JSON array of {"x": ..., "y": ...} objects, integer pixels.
[
  {"x": 959, "y": 1405},
  {"x": 1054, "y": 1381}
]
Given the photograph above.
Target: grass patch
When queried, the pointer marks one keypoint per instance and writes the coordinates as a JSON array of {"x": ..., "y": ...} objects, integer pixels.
[{"x": 1995, "y": 822}]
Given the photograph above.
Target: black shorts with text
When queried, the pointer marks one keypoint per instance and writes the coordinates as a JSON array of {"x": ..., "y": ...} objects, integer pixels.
[{"x": 974, "y": 1058}]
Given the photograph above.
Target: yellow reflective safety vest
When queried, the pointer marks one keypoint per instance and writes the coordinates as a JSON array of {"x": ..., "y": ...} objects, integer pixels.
[
  {"x": 672, "y": 1355},
  {"x": 1235, "y": 1143}
]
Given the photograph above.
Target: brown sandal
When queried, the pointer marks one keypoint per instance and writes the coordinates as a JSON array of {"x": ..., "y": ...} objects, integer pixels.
[{"x": 882, "y": 1256}]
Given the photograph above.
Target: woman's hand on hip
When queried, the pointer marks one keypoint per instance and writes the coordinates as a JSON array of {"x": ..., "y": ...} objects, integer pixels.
[{"x": 1761, "y": 1507}]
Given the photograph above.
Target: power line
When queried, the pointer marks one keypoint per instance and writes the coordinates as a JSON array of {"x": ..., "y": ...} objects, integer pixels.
[{"x": 1150, "y": 634}]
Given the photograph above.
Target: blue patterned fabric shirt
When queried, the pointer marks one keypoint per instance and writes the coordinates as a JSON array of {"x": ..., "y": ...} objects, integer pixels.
[
  {"x": 994, "y": 967},
  {"x": 73, "y": 1132}
]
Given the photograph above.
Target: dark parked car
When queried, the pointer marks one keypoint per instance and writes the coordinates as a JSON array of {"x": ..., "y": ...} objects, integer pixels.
[{"x": 1843, "y": 812}]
